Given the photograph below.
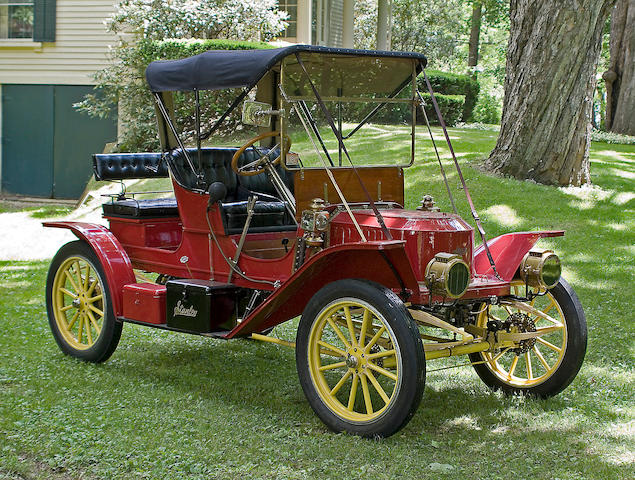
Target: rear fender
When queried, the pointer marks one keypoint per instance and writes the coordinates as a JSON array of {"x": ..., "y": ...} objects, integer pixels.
[
  {"x": 114, "y": 259},
  {"x": 383, "y": 262},
  {"x": 508, "y": 251}
]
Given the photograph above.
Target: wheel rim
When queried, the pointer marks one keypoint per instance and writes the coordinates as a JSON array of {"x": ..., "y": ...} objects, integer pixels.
[
  {"x": 520, "y": 368},
  {"x": 354, "y": 361},
  {"x": 78, "y": 303}
]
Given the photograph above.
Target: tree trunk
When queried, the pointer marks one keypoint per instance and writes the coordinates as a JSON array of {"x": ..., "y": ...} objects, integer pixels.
[
  {"x": 620, "y": 77},
  {"x": 475, "y": 32},
  {"x": 551, "y": 64}
]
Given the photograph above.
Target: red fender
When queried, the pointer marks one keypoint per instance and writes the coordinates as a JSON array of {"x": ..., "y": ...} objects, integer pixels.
[
  {"x": 508, "y": 251},
  {"x": 383, "y": 262},
  {"x": 114, "y": 259}
]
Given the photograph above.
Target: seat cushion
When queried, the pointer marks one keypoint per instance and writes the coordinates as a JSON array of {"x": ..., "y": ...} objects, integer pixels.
[
  {"x": 152, "y": 208},
  {"x": 266, "y": 214}
]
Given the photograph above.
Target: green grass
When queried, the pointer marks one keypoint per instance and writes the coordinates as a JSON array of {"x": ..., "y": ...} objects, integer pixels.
[{"x": 172, "y": 406}]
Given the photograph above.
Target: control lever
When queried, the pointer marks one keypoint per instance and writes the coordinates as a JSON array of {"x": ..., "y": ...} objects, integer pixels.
[{"x": 251, "y": 203}]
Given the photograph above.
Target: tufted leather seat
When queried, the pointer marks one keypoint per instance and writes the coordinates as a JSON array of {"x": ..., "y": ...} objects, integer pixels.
[
  {"x": 122, "y": 166},
  {"x": 270, "y": 213}
]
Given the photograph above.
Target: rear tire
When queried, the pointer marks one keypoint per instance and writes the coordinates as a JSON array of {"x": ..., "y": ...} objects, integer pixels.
[
  {"x": 551, "y": 364},
  {"x": 360, "y": 359},
  {"x": 79, "y": 304}
]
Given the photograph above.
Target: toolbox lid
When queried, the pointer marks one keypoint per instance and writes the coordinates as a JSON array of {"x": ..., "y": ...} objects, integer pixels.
[{"x": 192, "y": 284}]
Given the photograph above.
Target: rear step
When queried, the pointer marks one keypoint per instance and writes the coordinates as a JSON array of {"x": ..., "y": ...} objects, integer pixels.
[{"x": 194, "y": 306}]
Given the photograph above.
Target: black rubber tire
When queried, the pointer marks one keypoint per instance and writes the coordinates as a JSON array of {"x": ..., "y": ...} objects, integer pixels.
[
  {"x": 108, "y": 339},
  {"x": 575, "y": 350},
  {"x": 401, "y": 409}
]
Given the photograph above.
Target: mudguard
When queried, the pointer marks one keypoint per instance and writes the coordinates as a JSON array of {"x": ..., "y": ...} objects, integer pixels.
[
  {"x": 508, "y": 251},
  {"x": 114, "y": 259},
  {"x": 383, "y": 262}
]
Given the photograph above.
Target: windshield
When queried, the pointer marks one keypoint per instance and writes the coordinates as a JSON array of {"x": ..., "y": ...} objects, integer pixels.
[{"x": 370, "y": 102}]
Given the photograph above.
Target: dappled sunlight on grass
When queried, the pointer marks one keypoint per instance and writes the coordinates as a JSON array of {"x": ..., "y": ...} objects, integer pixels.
[{"x": 503, "y": 215}]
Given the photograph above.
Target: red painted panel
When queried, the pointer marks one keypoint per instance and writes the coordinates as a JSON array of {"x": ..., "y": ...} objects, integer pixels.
[
  {"x": 508, "y": 251},
  {"x": 144, "y": 302},
  {"x": 329, "y": 265},
  {"x": 111, "y": 254}
]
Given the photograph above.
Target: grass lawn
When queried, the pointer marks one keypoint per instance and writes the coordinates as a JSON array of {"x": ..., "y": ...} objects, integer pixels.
[{"x": 171, "y": 406}]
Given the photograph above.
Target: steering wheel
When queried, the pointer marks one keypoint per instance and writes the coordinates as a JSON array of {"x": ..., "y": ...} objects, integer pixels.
[{"x": 258, "y": 166}]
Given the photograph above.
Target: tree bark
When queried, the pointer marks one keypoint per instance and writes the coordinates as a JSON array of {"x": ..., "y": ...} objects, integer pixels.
[
  {"x": 475, "y": 33},
  {"x": 551, "y": 64},
  {"x": 620, "y": 77}
]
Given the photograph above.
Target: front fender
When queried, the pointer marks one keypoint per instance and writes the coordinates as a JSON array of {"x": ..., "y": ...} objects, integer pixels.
[
  {"x": 508, "y": 251},
  {"x": 383, "y": 262},
  {"x": 112, "y": 256}
]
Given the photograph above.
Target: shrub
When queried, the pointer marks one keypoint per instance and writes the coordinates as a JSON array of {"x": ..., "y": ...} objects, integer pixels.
[
  {"x": 487, "y": 110},
  {"x": 451, "y": 107},
  {"x": 123, "y": 84},
  {"x": 453, "y": 84}
]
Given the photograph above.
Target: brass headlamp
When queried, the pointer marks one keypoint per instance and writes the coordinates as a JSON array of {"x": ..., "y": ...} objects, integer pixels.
[
  {"x": 540, "y": 268},
  {"x": 448, "y": 275}
]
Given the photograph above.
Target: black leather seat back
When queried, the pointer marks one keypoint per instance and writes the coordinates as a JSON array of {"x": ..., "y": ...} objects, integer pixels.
[
  {"x": 217, "y": 168},
  {"x": 122, "y": 166}
]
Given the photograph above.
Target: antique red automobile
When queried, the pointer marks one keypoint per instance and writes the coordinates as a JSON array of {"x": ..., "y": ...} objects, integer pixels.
[{"x": 259, "y": 234}]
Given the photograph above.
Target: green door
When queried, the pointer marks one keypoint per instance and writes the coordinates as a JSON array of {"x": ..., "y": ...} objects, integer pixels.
[
  {"x": 27, "y": 140},
  {"x": 46, "y": 144},
  {"x": 77, "y": 137}
]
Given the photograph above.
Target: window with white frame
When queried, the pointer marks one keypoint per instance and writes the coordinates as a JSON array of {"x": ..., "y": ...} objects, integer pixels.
[
  {"x": 291, "y": 7},
  {"x": 16, "y": 19}
]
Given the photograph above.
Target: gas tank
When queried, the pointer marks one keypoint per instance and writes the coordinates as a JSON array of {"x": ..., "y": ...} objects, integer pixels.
[{"x": 425, "y": 233}]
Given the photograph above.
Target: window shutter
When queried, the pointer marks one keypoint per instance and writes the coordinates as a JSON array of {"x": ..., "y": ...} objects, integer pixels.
[{"x": 44, "y": 20}]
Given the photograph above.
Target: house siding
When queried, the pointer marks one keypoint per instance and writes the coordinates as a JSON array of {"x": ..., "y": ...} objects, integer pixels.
[{"x": 80, "y": 49}]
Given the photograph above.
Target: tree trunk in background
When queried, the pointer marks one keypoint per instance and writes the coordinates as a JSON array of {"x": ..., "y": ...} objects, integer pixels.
[
  {"x": 475, "y": 32},
  {"x": 551, "y": 64},
  {"x": 620, "y": 77}
]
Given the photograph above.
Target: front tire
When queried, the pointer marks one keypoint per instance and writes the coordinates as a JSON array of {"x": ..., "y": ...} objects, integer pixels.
[
  {"x": 360, "y": 359},
  {"x": 548, "y": 366},
  {"x": 79, "y": 304}
]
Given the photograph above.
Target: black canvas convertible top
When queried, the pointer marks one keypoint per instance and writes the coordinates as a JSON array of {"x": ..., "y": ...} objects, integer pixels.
[{"x": 218, "y": 69}]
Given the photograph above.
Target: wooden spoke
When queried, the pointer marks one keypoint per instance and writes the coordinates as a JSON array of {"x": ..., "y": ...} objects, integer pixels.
[
  {"x": 91, "y": 289},
  {"x": 373, "y": 340},
  {"x": 548, "y": 345},
  {"x": 81, "y": 327},
  {"x": 73, "y": 320},
  {"x": 328, "y": 346},
  {"x": 66, "y": 292},
  {"x": 95, "y": 309},
  {"x": 530, "y": 373},
  {"x": 67, "y": 307},
  {"x": 377, "y": 386},
  {"x": 384, "y": 353},
  {"x": 338, "y": 332},
  {"x": 365, "y": 322},
  {"x": 332, "y": 366},
  {"x": 94, "y": 322},
  {"x": 71, "y": 280},
  {"x": 342, "y": 381},
  {"x": 541, "y": 358},
  {"x": 367, "y": 400},
  {"x": 95, "y": 298},
  {"x": 88, "y": 331},
  {"x": 349, "y": 324},
  {"x": 353, "y": 393},
  {"x": 383, "y": 371},
  {"x": 512, "y": 367}
]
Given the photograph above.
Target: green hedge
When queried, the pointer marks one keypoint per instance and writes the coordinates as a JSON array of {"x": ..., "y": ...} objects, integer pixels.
[
  {"x": 451, "y": 106},
  {"x": 453, "y": 84},
  {"x": 175, "y": 49}
]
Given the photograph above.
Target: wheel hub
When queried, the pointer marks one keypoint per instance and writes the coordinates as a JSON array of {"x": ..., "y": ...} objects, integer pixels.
[
  {"x": 77, "y": 303},
  {"x": 351, "y": 361}
]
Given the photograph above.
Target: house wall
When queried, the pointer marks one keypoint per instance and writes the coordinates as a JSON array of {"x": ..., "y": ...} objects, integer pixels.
[
  {"x": 45, "y": 144},
  {"x": 80, "y": 47}
]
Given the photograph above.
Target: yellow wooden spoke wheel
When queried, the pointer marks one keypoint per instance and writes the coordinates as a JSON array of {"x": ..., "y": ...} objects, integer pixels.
[
  {"x": 359, "y": 358},
  {"x": 544, "y": 365},
  {"x": 78, "y": 304}
]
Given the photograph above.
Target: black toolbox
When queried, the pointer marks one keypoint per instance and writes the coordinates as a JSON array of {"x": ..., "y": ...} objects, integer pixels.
[{"x": 201, "y": 306}]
